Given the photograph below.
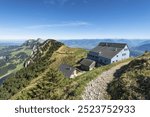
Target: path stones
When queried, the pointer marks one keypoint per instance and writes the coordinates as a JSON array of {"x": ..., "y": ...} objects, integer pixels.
[{"x": 96, "y": 89}]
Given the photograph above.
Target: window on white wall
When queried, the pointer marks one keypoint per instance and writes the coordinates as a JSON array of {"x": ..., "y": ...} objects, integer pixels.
[{"x": 124, "y": 54}]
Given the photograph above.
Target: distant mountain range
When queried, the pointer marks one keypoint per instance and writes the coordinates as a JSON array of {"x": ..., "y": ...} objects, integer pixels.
[
  {"x": 90, "y": 43},
  {"x": 144, "y": 47},
  {"x": 11, "y": 42},
  {"x": 136, "y": 46}
]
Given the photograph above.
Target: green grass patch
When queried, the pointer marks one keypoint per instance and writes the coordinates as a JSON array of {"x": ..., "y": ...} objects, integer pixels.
[{"x": 25, "y": 50}]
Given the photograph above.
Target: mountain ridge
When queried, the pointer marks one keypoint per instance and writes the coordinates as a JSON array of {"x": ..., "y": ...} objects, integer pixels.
[{"x": 43, "y": 61}]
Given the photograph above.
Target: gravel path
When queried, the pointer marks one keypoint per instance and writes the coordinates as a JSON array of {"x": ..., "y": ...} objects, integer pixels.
[{"x": 96, "y": 89}]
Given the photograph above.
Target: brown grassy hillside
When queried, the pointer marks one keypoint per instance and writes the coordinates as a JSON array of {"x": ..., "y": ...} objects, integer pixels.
[
  {"x": 133, "y": 80},
  {"x": 64, "y": 54}
]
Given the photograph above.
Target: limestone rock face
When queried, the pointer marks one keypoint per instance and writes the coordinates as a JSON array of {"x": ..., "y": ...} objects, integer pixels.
[
  {"x": 39, "y": 48},
  {"x": 32, "y": 42},
  {"x": 35, "y": 45}
]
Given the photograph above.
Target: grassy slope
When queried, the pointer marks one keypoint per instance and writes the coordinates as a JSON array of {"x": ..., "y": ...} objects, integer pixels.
[
  {"x": 65, "y": 88},
  {"x": 18, "y": 67},
  {"x": 67, "y": 55},
  {"x": 134, "y": 80},
  {"x": 23, "y": 77},
  {"x": 24, "y": 49},
  {"x": 70, "y": 89},
  {"x": 16, "y": 61},
  {"x": 63, "y": 55}
]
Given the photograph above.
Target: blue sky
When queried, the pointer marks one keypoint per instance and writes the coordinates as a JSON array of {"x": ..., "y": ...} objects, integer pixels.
[{"x": 74, "y": 19}]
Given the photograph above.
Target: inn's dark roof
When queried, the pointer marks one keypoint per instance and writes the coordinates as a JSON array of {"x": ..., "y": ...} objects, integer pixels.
[
  {"x": 108, "y": 50},
  {"x": 67, "y": 70},
  {"x": 115, "y": 45},
  {"x": 87, "y": 62}
]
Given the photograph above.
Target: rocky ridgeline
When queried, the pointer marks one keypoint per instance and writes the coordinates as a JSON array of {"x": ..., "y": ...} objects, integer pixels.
[
  {"x": 32, "y": 42},
  {"x": 35, "y": 46},
  {"x": 39, "y": 47}
]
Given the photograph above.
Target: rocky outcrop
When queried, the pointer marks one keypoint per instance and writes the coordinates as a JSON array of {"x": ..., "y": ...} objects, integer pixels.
[
  {"x": 39, "y": 49},
  {"x": 35, "y": 45},
  {"x": 32, "y": 42}
]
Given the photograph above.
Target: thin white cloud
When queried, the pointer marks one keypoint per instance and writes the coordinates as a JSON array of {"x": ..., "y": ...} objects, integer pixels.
[{"x": 71, "y": 24}]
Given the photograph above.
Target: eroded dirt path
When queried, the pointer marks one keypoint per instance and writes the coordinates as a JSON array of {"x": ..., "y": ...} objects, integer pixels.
[{"x": 96, "y": 89}]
